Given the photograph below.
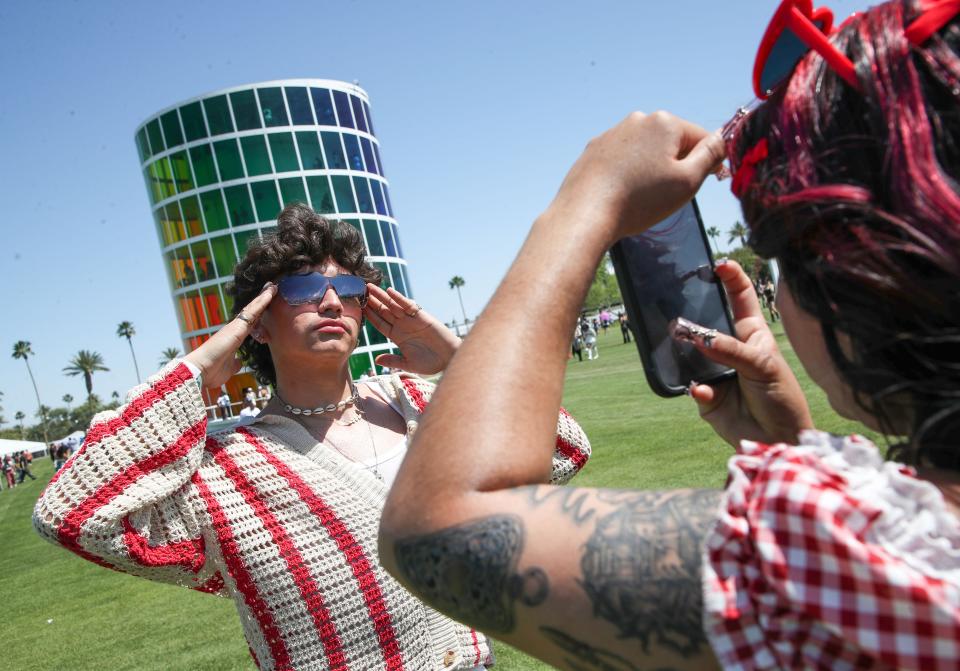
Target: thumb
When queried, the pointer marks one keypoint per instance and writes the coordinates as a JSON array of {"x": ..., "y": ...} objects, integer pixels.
[
  {"x": 391, "y": 361},
  {"x": 707, "y": 155}
]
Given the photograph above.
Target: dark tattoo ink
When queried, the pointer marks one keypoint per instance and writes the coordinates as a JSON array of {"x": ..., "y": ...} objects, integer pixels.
[
  {"x": 573, "y": 502},
  {"x": 641, "y": 568},
  {"x": 470, "y": 571},
  {"x": 586, "y": 657}
]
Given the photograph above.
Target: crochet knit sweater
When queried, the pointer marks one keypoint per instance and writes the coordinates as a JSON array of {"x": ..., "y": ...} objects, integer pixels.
[{"x": 262, "y": 514}]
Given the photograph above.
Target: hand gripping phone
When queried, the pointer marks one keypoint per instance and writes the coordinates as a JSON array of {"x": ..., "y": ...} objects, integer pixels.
[{"x": 664, "y": 274}]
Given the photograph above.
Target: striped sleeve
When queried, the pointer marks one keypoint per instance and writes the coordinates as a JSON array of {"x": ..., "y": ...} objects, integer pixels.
[
  {"x": 126, "y": 500},
  {"x": 572, "y": 449}
]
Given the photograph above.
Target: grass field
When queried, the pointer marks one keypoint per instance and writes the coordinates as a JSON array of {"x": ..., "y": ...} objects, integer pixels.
[{"x": 60, "y": 612}]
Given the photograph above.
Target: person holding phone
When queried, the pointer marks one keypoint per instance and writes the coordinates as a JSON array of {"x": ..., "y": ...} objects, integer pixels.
[
  {"x": 281, "y": 512},
  {"x": 818, "y": 554}
]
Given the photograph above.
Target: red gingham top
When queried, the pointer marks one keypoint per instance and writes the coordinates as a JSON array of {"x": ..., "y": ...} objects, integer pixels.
[{"x": 825, "y": 556}]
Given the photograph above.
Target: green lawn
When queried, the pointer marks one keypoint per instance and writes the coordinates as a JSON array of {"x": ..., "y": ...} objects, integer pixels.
[{"x": 60, "y": 612}]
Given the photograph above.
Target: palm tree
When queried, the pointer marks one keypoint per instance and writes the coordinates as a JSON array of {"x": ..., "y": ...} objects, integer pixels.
[
  {"x": 22, "y": 350},
  {"x": 713, "y": 233},
  {"x": 455, "y": 283},
  {"x": 126, "y": 330},
  {"x": 738, "y": 231},
  {"x": 168, "y": 355},
  {"x": 68, "y": 399},
  {"x": 85, "y": 363},
  {"x": 20, "y": 417}
]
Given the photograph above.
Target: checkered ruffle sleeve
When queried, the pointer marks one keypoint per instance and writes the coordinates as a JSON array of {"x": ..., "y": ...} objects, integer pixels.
[{"x": 825, "y": 556}]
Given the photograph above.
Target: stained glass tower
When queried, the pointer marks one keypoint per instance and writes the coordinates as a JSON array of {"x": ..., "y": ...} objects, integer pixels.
[{"x": 220, "y": 167}]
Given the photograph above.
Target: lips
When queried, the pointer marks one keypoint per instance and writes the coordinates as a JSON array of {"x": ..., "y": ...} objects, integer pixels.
[{"x": 330, "y": 326}]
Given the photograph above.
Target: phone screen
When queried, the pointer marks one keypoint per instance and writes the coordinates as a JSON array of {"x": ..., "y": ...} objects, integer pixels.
[{"x": 666, "y": 273}]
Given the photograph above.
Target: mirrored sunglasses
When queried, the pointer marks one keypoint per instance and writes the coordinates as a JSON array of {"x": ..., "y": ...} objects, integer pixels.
[{"x": 311, "y": 287}]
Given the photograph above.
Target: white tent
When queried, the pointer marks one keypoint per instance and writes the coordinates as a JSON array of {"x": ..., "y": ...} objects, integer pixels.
[{"x": 13, "y": 446}]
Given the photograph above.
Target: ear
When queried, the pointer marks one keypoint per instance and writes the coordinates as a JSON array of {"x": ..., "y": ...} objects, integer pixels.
[{"x": 260, "y": 333}]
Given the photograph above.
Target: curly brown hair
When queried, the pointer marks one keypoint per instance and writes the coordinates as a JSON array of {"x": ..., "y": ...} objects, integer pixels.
[{"x": 302, "y": 238}]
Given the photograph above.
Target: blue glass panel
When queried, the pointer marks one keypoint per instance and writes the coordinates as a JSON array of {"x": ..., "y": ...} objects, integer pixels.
[
  {"x": 323, "y": 107},
  {"x": 386, "y": 195},
  {"x": 406, "y": 280},
  {"x": 388, "y": 238},
  {"x": 358, "y": 113},
  {"x": 299, "y": 103},
  {"x": 334, "y": 151},
  {"x": 342, "y": 101},
  {"x": 272, "y": 107},
  {"x": 396, "y": 239},
  {"x": 354, "y": 157},
  {"x": 368, "y": 155},
  {"x": 378, "y": 197},
  {"x": 376, "y": 152},
  {"x": 366, "y": 110},
  {"x": 398, "y": 282},
  {"x": 343, "y": 193}
]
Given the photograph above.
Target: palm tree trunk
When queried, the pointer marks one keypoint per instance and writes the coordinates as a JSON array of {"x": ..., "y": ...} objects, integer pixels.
[
  {"x": 88, "y": 381},
  {"x": 43, "y": 415},
  {"x": 461, "y": 306},
  {"x": 135, "y": 367}
]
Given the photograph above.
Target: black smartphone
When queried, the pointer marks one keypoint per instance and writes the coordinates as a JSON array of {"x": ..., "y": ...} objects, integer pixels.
[{"x": 664, "y": 274}]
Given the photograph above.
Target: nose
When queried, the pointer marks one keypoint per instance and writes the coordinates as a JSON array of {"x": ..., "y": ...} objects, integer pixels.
[{"x": 330, "y": 303}]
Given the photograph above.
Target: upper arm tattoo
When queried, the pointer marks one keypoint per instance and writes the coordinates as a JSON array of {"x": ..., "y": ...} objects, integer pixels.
[
  {"x": 641, "y": 567},
  {"x": 470, "y": 571}
]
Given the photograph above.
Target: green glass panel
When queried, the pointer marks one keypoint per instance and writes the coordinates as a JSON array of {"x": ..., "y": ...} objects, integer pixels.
[
  {"x": 355, "y": 223},
  {"x": 153, "y": 183},
  {"x": 202, "y": 260},
  {"x": 386, "y": 274},
  {"x": 331, "y": 144},
  {"x": 193, "y": 124},
  {"x": 238, "y": 205},
  {"x": 271, "y": 104},
  {"x": 173, "y": 222},
  {"x": 164, "y": 230},
  {"x": 359, "y": 364},
  {"x": 245, "y": 110},
  {"x": 163, "y": 175},
  {"x": 218, "y": 115},
  {"x": 321, "y": 198},
  {"x": 181, "y": 171},
  {"x": 158, "y": 220},
  {"x": 265, "y": 199},
  {"x": 224, "y": 255},
  {"x": 396, "y": 239},
  {"x": 372, "y": 233},
  {"x": 374, "y": 337},
  {"x": 175, "y": 269},
  {"x": 387, "y": 234},
  {"x": 398, "y": 278},
  {"x": 343, "y": 193},
  {"x": 227, "y": 300},
  {"x": 243, "y": 240},
  {"x": 292, "y": 191},
  {"x": 310, "y": 150},
  {"x": 214, "y": 214},
  {"x": 156, "y": 139},
  {"x": 143, "y": 147},
  {"x": 255, "y": 155},
  {"x": 203, "y": 167},
  {"x": 228, "y": 159},
  {"x": 406, "y": 280},
  {"x": 213, "y": 305},
  {"x": 363, "y": 195},
  {"x": 191, "y": 216},
  {"x": 171, "y": 129},
  {"x": 284, "y": 154}
]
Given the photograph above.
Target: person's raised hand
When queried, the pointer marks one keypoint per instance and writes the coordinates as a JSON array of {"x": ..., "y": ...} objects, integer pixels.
[
  {"x": 217, "y": 357},
  {"x": 426, "y": 345},
  {"x": 640, "y": 171},
  {"x": 765, "y": 402}
]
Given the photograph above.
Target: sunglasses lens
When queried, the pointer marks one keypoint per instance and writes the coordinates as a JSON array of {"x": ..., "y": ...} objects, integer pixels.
[
  {"x": 350, "y": 287},
  {"x": 784, "y": 56},
  {"x": 300, "y": 289}
]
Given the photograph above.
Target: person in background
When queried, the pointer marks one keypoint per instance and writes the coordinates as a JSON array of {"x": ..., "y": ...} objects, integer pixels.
[
  {"x": 223, "y": 403},
  {"x": 281, "y": 513},
  {"x": 249, "y": 409},
  {"x": 819, "y": 554},
  {"x": 9, "y": 471},
  {"x": 62, "y": 454},
  {"x": 263, "y": 396},
  {"x": 624, "y": 327},
  {"x": 24, "y": 459}
]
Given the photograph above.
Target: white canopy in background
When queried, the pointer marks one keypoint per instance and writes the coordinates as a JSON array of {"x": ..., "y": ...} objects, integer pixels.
[{"x": 12, "y": 446}]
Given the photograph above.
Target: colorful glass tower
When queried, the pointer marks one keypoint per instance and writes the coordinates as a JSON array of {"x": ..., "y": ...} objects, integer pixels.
[{"x": 220, "y": 167}]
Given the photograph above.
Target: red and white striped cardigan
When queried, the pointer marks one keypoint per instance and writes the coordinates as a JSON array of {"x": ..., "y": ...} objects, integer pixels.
[{"x": 263, "y": 514}]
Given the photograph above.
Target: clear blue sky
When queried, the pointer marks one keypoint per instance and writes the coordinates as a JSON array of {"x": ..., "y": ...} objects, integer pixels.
[{"x": 480, "y": 108}]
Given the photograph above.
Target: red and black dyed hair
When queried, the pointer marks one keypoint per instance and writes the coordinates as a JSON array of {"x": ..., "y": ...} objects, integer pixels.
[{"x": 858, "y": 199}]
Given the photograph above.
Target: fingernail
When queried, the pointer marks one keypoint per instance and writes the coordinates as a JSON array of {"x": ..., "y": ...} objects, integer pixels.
[
  {"x": 688, "y": 331},
  {"x": 723, "y": 260},
  {"x": 266, "y": 286},
  {"x": 688, "y": 390}
]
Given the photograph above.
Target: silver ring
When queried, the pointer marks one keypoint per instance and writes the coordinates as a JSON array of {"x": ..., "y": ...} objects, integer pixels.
[
  {"x": 242, "y": 317},
  {"x": 415, "y": 312}
]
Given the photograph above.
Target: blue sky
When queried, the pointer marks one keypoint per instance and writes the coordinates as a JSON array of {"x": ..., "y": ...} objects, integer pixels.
[{"x": 480, "y": 108}]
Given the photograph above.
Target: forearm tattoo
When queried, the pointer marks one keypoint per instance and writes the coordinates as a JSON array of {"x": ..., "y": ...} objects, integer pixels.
[
  {"x": 470, "y": 571},
  {"x": 641, "y": 568},
  {"x": 582, "y": 656}
]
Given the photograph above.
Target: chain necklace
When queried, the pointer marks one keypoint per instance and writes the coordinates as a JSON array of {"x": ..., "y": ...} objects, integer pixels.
[{"x": 373, "y": 442}]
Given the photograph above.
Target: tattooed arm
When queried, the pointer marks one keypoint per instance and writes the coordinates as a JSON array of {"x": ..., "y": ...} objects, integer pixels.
[{"x": 583, "y": 579}]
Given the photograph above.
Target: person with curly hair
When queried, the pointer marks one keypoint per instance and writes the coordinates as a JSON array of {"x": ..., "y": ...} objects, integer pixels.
[
  {"x": 819, "y": 553},
  {"x": 281, "y": 512}
]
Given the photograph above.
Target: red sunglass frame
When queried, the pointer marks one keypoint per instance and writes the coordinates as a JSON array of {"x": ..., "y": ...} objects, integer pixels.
[{"x": 800, "y": 17}]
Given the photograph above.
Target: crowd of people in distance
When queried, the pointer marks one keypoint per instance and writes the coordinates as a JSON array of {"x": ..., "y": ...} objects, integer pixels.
[
  {"x": 16, "y": 468},
  {"x": 588, "y": 328}
]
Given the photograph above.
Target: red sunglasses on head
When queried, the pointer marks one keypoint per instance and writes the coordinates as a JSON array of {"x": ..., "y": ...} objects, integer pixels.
[{"x": 797, "y": 27}]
